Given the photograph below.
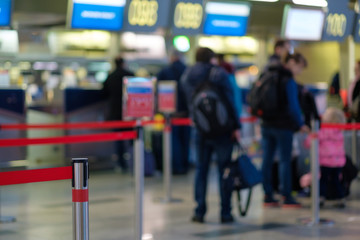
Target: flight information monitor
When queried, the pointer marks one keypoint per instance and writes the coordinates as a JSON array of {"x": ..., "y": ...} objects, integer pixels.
[
  {"x": 5, "y": 12},
  {"x": 97, "y": 14},
  {"x": 226, "y": 18},
  {"x": 304, "y": 24}
]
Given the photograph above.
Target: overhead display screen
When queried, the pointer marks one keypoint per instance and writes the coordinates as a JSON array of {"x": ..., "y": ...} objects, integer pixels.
[
  {"x": 5, "y": 12},
  {"x": 227, "y": 19},
  {"x": 303, "y": 24},
  {"x": 97, "y": 14}
]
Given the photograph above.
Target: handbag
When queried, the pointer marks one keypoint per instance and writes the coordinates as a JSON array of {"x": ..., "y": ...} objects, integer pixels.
[{"x": 244, "y": 175}]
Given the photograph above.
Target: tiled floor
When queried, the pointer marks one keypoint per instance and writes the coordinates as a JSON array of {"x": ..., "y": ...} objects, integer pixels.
[{"x": 44, "y": 212}]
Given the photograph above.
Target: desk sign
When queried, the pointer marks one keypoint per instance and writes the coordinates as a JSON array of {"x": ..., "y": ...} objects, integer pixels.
[
  {"x": 188, "y": 17},
  {"x": 167, "y": 96},
  {"x": 138, "y": 97},
  {"x": 146, "y": 15},
  {"x": 339, "y": 22},
  {"x": 357, "y": 28}
]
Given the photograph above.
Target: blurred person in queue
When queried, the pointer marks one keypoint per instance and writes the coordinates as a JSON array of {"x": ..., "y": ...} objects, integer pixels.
[
  {"x": 228, "y": 67},
  {"x": 281, "y": 50},
  {"x": 354, "y": 94},
  {"x": 113, "y": 90},
  {"x": 277, "y": 133},
  {"x": 222, "y": 146},
  {"x": 180, "y": 134}
]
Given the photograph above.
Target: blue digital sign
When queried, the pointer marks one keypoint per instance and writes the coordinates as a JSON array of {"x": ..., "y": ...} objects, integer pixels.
[
  {"x": 5, "y": 12},
  {"x": 98, "y": 14},
  {"x": 227, "y": 19}
]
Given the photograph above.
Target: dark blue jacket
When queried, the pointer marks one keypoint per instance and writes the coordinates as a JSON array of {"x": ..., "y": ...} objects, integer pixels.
[
  {"x": 290, "y": 117},
  {"x": 194, "y": 76},
  {"x": 113, "y": 90},
  {"x": 174, "y": 72}
]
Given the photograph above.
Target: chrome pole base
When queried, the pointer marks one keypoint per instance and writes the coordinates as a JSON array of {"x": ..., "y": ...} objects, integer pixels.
[{"x": 311, "y": 223}]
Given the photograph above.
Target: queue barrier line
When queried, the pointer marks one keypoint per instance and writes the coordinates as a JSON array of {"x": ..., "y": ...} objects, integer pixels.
[
  {"x": 341, "y": 126},
  {"x": 35, "y": 175},
  {"x": 80, "y": 125},
  {"x": 106, "y": 125},
  {"x": 101, "y": 137}
]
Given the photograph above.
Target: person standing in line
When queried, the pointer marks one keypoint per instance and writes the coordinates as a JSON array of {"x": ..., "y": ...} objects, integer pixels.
[
  {"x": 281, "y": 50},
  {"x": 354, "y": 94},
  {"x": 229, "y": 68},
  {"x": 113, "y": 90},
  {"x": 180, "y": 134},
  {"x": 193, "y": 78},
  {"x": 277, "y": 133}
]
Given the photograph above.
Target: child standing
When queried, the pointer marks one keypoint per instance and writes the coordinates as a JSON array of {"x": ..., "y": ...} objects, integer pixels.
[{"x": 332, "y": 156}]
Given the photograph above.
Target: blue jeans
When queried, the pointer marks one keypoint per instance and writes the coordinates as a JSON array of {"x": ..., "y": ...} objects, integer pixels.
[
  {"x": 222, "y": 147},
  {"x": 277, "y": 139},
  {"x": 180, "y": 146}
]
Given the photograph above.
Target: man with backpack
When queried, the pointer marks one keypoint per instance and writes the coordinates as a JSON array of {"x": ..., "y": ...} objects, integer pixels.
[
  {"x": 211, "y": 103},
  {"x": 274, "y": 99}
]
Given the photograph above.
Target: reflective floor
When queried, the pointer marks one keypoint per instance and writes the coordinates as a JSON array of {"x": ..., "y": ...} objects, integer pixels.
[{"x": 44, "y": 212}]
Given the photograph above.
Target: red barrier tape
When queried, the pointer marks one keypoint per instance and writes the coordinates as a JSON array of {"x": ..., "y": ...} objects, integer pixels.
[
  {"x": 80, "y": 195},
  {"x": 36, "y": 175},
  {"x": 350, "y": 126},
  {"x": 181, "y": 122},
  {"x": 82, "y": 125},
  {"x": 105, "y": 125},
  {"x": 248, "y": 119},
  {"x": 102, "y": 137}
]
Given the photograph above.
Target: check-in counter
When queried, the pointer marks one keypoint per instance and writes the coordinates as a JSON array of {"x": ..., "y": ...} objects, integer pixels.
[
  {"x": 12, "y": 111},
  {"x": 87, "y": 105},
  {"x": 74, "y": 105},
  {"x": 45, "y": 155}
]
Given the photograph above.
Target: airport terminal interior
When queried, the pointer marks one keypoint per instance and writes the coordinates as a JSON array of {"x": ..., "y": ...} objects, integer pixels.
[{"x": 56, "y": 58}]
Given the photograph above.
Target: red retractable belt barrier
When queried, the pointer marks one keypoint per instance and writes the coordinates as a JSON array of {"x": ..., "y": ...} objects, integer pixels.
[
  {"x": 102, "y": 137},
  {"x": 350, "y": 126},
  {"x": 36, "y": 175},
  {"x": 181, "y": 121},
  {"x": 105, "y": 125},
  {"x": 80, "y": 125},
  {"x": 248, "y": 119}
]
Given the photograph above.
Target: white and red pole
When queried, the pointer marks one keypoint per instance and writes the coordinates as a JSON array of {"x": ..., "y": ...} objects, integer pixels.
[{"x": 80, "y": 199}]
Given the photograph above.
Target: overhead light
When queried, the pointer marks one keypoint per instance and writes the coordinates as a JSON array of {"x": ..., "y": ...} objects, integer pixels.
[{"x": 314, "y": 3}]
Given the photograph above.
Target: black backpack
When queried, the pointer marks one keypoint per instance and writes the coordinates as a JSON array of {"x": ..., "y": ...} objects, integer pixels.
[
  {"x": 265, "y": 96},
  {"x": 212, "y": 113}
]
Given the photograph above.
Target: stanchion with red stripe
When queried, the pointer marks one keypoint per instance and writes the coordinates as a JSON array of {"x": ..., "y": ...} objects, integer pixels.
[
  {"x": 167, "y": 163},
  {"x": 80, "y": 199}
]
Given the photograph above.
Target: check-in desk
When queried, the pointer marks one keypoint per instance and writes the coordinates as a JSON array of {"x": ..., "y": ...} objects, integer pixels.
[
  {"x": 12, "y": 111},
  {"x": 87, "y": 105},
  {"x": 45, "y": 155}
]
